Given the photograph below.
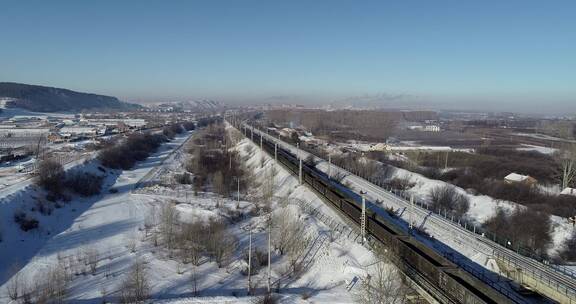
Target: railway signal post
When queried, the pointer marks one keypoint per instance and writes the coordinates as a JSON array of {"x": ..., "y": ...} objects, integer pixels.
[
  {"x": 269, "y": 249},
  {"x": 300, "y": 171},
  {"x": 411, "y": 223},
  {"x": 250, "y": 262},
  {"x": 329, "y": 166},
  {"x": 363, "y": 218}
]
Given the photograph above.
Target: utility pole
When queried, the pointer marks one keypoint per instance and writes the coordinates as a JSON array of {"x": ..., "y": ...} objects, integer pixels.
[
  {"x": 250, "y": 262},
  {"x": 446, "y": 161},
  {"x": 238, "y": 200},
  {"x": 230, "y": 163},
  {"x": 269, "y": 249},
  {"x": 363, "y": 218},
  {"x": 411, "y": 223},
  {"x": 329, "y": 166},
  {"x": 261, "y": 140},
  {"x": 276, "y": 152},
  {"x": 300, "y": 171}
]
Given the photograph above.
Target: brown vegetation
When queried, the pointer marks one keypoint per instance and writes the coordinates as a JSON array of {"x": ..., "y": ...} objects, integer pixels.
[
  {"x": 212, "y": 163},
  {"x": 137, "y": 147},
  {"x": 523, "y": 228},
  {"x": 343, "y": 124},
  {"x": 447, "y": 198}
]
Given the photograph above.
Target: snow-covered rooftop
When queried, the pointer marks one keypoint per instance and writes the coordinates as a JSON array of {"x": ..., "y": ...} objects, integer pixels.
[
  {"x": 569, "y": 191},
  {"x": 515, "y": 177}
]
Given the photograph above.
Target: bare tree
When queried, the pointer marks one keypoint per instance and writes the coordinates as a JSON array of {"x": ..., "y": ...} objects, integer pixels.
[
  {"x": 51, "y": 286},
  {"x": 567, "y": 159},
  {"x": 135, "y": 287},
  {"x": 151, "y": 220},
  {"x": 384, "y": 283},
  {"x": 218, "y": 183},
  {"x": 267, "y": 186},
  {"x": 448, "y": 198},
  {"x": 191, "y": 242},
  {"x": 194, "y": 280},
  {"x": 15, "y": 284},
  {"x": 289, "y": 236},
  {"x": 221, "y": 243},
  {"x": 169, "y": 218},
  {"x": 92, "y": 258}
]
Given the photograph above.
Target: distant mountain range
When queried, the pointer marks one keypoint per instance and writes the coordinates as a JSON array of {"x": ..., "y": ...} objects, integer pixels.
[{"x": 47, "y": 99}]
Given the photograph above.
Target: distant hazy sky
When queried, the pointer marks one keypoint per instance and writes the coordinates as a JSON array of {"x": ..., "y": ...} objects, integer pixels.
[{"x": 510, "y": 54}]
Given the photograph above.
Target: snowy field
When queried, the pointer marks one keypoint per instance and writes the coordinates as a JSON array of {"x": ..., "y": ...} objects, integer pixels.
[
  {"x": 540, "y": 149},
  {"x": 112, "y": 225},
  {"x": 103, "y": 222}
]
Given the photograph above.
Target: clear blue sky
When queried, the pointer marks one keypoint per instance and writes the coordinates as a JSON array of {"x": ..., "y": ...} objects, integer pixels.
[{"x": 462, "y": 51}]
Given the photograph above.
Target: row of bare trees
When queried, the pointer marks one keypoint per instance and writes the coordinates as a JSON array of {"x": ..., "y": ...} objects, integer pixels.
[
  {"x": 212, "y": 163},
  {"x": 48, "y": 286},
  {"x": 343, "y": 124},
  {"x": 190, "y": 242},
  {"x": 137, "y": 147}
]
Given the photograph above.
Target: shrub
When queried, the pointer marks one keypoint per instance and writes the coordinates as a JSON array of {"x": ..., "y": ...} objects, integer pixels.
[
  {"x": 26, "y": 223},
  {"x": 568, "y": 253},
  {"x": 400, "y": 183},
  {"x": 189, "y": 125},
  {"x": 184, "y": 178},
  {"x": 169, "y": 132},
  {"x": 524, "y": 228},
  {"x": 448, "y": 198},
  {"x": 85, "y": 184},
  {"x": 136, "y": 148},
  {"x": 176, "y": 128},
  {"x": 50, "y": 176}
]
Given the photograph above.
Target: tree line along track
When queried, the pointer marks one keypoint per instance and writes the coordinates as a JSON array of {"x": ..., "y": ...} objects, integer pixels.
[{"x": 441, "y": 278}]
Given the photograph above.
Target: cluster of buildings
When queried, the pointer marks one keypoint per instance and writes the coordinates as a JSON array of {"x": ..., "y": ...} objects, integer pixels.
[{"x": 20, "y": 134}]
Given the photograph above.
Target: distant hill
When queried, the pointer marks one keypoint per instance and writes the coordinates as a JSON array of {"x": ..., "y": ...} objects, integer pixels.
[{"x": 47, "y": 99}]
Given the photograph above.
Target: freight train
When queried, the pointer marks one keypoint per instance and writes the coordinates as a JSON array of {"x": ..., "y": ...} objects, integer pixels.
[{"x": 442, "y": 279}]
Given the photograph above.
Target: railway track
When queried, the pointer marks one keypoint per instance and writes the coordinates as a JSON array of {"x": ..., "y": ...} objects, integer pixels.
[
  {"x": 554, "y": 278},
  {"x": 442, "y": 279}
]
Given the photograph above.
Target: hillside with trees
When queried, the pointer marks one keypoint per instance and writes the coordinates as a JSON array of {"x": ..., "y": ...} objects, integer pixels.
[{"x": 48, "y": 99}]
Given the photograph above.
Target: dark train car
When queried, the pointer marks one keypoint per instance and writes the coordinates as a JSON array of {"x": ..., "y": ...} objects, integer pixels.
[
  {"x": 382, "y": 232},
  {"x": 469, "y": 290}
]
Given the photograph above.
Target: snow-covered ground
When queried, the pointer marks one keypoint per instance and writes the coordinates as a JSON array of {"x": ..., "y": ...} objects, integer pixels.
[
  {"x": 112, "y": 224},
  {"x": 540, "y": 149},
  {"x": 102, "y": 222},
  {"x": 544, "y": 136},
  {"x": 483, "y": 207}
]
